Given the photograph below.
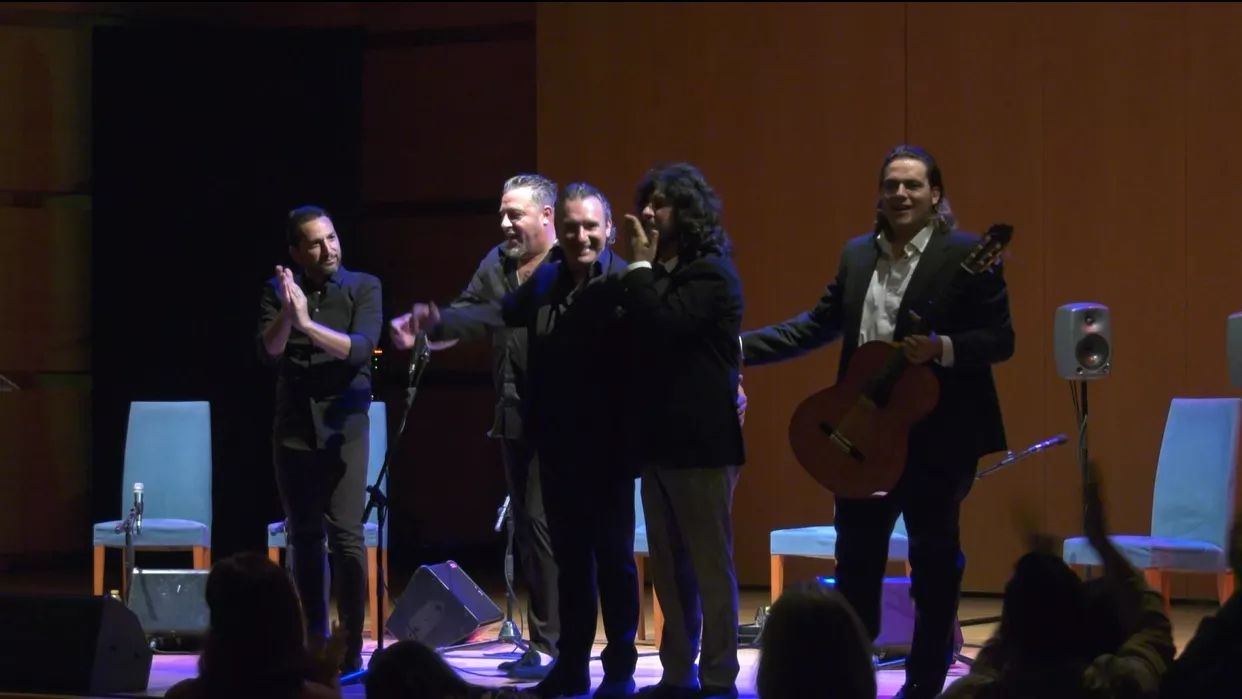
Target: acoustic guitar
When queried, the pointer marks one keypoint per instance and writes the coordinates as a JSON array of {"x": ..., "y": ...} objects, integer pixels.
[{"x": 853, "y": 437}]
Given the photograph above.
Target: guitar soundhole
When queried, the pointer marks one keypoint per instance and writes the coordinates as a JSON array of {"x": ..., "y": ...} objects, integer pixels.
[{"x": 844, "y": 444}]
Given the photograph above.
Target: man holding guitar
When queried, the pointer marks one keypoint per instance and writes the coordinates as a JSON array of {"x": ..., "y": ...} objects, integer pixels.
[{"x": 914, "y": 410}]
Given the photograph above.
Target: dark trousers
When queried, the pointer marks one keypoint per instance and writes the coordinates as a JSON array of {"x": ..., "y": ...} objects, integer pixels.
[
  {"x": 533, "y": 542},
  {"x": 690, "y": 534},
  {"x": 324, "y": 494},
  {"x": 591, "y": 518},
  {"x": 930, "y": 496}
]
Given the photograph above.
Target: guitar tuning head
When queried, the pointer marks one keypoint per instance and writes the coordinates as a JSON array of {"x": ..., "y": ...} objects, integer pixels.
[{"x": 990, "y": 248}]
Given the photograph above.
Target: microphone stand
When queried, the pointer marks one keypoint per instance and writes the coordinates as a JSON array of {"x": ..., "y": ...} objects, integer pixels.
[
  {"x": 127, "y": 574},
  {"x": 378, "y": 502},
  {"x": 1005, "y": 463},
  {"x": 509, "y": 632}
]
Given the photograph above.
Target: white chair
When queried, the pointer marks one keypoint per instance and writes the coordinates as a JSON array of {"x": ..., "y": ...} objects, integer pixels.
[
  {"x": 1192, "y": 508},
  {"x": 821, "y": 542}
]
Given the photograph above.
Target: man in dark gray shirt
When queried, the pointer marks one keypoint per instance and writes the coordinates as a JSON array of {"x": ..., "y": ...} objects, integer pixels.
[
  {"x": 319, "y": 328},
  {"x": 526, "y": 221}
]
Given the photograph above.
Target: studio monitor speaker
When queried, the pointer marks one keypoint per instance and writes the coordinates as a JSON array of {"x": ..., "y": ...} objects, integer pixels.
[
  {"x": 171, "y": 604},
  {"x": 441, "y": 607},
  {"x": 897, "y": 616},
  {"x": 71, "y": 645},
  {"x": 1233, "y": 348},
  {"x": 1083, "y": 341}
]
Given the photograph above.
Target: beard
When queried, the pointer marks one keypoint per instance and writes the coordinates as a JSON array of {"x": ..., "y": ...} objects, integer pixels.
[{"x": 515, "y": 249}]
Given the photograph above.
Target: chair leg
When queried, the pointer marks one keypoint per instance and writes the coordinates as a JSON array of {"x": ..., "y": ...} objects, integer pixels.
[
  {"x": 778, "y": 576},
  {"x": 641, "y": 564},
  {"x": 659, "y": 617},
  {"x": 98, "y": 572},
  {"x": 1160, "y": 581},
  {"x": 202, "y": 558},
  {"x": 273, "y": 554},
  {"x": 372, "y": 596},
  {"x": 1225, "y": 583}
]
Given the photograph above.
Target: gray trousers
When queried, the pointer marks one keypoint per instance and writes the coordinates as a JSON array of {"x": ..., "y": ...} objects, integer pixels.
[{"x": 690, "y": 535}]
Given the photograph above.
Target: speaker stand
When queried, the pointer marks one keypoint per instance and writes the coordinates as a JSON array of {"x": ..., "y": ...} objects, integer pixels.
[{"x": 1083, "y": 454}]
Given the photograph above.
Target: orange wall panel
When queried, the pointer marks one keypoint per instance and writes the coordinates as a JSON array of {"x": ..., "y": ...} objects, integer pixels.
[
  {"x": 1114, "y": 164},
  {"x": 448, "y": 122},
  {"x": 984, "y": 123},
  {"x": 433, "y": 259},
  {"x": 758, "y": 97},
  {"x": 1098, "y": 129}
]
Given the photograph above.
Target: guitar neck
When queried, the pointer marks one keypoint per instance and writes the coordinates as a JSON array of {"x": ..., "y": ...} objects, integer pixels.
[{"x": 925, "y": 321}]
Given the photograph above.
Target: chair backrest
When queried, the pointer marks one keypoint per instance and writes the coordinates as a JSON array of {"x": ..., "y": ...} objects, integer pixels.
[
  {"x": 1195, "y": 476},
  {"x": 377, "y": 451},
  {"x": 640, "y": 519},
  {"x": 900, "y": 527},
  {"x": 168, "y": 450}
]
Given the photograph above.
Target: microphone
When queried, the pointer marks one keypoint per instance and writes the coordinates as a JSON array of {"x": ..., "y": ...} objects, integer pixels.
[
  {"x": 504, "y": 510},
  {"x": 1037, "y": 447},
  {"x": 137, "y": 508},
  {"x": 1034, "y": 449},
  {"x": 418, "y": 355}
]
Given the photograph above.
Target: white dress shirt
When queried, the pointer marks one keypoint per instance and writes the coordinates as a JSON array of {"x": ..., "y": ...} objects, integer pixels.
[{"x": 888, "y": 286}]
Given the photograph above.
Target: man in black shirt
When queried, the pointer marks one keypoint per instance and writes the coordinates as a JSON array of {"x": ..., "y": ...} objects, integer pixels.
[
  {"x": 526, "y": 221},
  {"x": 320, "y": 329}
]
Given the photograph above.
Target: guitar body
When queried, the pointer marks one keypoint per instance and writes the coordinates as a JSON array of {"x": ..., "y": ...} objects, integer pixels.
[{"x": 850, "y": 445}]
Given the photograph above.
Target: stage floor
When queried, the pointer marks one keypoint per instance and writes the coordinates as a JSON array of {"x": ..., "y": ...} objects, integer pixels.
[{"x": 479, "y": 666}]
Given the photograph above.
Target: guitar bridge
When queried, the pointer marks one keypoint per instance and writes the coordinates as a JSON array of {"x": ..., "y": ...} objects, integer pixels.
[{"x": 842, "y": 442}]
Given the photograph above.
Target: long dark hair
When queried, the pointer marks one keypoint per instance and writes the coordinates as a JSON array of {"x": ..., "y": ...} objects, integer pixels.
[
  {"x": 697, "y": 208},
  {"x": 256, "y": 643},
  {"x": 942, "y": 217}
]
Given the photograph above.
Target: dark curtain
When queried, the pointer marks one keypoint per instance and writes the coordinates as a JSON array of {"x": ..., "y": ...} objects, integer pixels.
[{"x": 204, "y": 138}]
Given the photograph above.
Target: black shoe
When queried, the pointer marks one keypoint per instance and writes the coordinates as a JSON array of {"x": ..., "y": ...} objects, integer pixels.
[
  {"x": 351, "y": 664},
  {"x": 667, "y": 691},
  {"x": 917, "y": 691},
  {"x": 558, "y": 685},
  {"x": 529, "y": 667},
  {"x": 615, "y": 688}
]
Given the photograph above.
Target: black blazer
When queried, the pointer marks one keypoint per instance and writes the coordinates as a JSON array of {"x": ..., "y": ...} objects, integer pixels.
[
  {"x": 574, "y": 343},
  {"x": 687, "y": 358},
  {"x": 967, "y": 422}
]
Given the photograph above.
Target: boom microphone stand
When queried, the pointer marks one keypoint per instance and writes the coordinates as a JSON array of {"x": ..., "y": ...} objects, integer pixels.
[
  {"x": 1002, "y": 464},
  {"x": 1005, "y": 463},
  {"x": 509, "y": 632},
  {"x": 419, "y": 358}
]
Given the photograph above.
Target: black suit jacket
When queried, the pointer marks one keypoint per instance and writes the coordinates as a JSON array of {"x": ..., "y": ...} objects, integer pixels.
[
  {"x": 495, "y": 277},
  {"x": 967, "y": 422},
  {"x": 687, "y": 363},
  {"x": 575, "y": 340}
]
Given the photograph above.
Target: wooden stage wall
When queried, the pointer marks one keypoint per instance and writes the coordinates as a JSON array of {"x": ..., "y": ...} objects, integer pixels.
[{"x": 1104, "y": 132}]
